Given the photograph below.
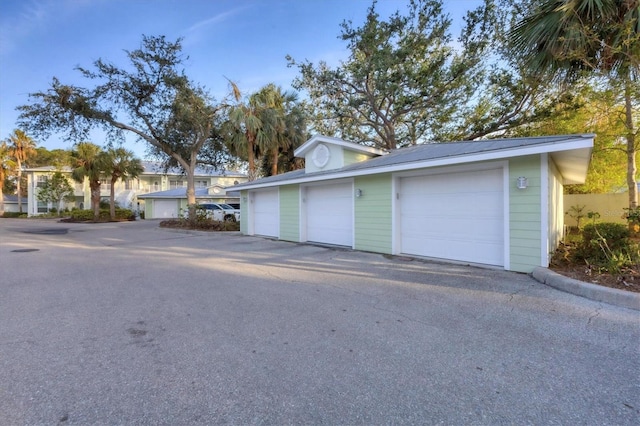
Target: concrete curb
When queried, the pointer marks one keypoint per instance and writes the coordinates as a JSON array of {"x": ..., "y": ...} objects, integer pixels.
[{"x": 612, "y": 296}]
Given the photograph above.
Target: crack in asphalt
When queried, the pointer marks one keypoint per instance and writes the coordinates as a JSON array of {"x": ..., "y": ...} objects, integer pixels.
[
  {"x": 516, "y": 293},
  {"x": 408, "y": 318},
  {"x": 595, "y": 315}
]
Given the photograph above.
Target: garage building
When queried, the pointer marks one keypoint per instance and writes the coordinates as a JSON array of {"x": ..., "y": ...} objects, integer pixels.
[{"x": 492, "y": 202}]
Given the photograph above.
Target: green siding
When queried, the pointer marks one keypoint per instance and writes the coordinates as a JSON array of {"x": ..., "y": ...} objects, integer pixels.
[
  {"x": 183, "y": 206},
  {"x": 244, "y": 208},
  {"x": 290, "y": 213},
  {"x": 524, "y": 214},
  {"x": 372, "y": 211}
]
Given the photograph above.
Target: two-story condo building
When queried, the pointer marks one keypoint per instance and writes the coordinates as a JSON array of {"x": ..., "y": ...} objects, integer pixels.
[{"x": 153, "y": 179}]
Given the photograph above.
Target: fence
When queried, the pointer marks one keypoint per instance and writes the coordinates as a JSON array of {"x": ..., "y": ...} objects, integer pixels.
[{"x": 609, "y": 206}]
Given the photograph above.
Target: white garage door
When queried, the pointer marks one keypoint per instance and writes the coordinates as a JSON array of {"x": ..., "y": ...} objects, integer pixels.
[
  {"x": 456, "y": 216},
  {"x": 165, "y": 209},
  {"x": 266, "y": 217},
  {"x": 330, "y": 214}
]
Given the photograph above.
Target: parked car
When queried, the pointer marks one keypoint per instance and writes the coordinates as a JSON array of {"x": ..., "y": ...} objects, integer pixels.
[
  {"x": 229, "y": 209},
  {"x": 220, "y": 212}
]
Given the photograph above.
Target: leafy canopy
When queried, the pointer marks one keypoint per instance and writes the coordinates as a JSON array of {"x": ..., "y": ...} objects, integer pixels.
[
  {"x": 598, "y": 39},
  {"x": 407, "y": 81}
]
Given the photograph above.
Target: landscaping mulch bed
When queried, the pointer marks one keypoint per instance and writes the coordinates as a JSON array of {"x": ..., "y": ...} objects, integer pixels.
[
  {"x": 563, "y": 263},
  {"x": 628, "y": 280},
  {"x": 208, "y": 225}
]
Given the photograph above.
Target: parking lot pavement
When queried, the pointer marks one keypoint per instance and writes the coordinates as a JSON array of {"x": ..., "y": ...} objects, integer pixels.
[{"x": 127, "y": 323}]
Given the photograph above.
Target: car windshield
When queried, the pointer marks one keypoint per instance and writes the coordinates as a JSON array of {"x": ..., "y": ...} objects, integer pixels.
[
  {"x": 226, "y": 207},
  {"x": 209, "y": 207}
]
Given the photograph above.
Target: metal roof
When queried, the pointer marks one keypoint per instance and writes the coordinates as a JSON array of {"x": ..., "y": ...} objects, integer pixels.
[
  {"x": 154, "y": 168},
  {"x": 431, "y": 154},
  {"x": 201, "y": 192}
]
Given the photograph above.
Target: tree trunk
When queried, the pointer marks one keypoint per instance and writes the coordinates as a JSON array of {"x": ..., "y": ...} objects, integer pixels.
[
  {"x": 191, "y": 188},
  {"x": 252, "y": 160},
  {"x": 631, "y": 147},
  {"x": 95, "y": 199},
  {"x": 1, "y": 201},
  {"x": 112, "y": 199},
  {"x": 19, "y": 185},
  {"x": 274, "y": 164}
]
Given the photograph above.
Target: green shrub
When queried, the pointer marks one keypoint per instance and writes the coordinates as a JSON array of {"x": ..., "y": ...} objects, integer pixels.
[
  {"x": 206, "y": 224},
  {"x": 122, "y": 214},
  {"x": 81, "y": 215},
  {"x": 13, "y": 214},
  {"x": 87, "y": 215},
  {"x": 608, "y": 247}
]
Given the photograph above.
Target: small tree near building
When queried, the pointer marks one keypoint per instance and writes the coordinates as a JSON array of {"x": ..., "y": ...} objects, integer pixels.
[{"x": 56, "y": 190}]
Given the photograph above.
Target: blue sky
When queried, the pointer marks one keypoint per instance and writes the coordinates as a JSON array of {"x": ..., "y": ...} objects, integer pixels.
[{"x": 243, "y": 40}]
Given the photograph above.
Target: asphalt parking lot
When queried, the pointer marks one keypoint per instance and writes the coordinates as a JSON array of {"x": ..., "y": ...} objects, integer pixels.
[{"x": 127, "y": 323}]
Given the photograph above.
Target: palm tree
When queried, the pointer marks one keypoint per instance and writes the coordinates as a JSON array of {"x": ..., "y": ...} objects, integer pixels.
[
  {"x": 293, "y": 135},
  {"x": 6, "y": 166},
  {"x": 120, "y": 164},
  {"x": 270, "y": 121},
  {"x": 566, "y": 38},
  {"x": 87, "y": 163},
  {"x": 22, "y": 147},
  {"x": 245, "y": 128},
  {"x": 286, "y": 126}
]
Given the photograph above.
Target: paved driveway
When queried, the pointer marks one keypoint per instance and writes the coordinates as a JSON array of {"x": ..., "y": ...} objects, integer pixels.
[{"x": 132, "y": 324}]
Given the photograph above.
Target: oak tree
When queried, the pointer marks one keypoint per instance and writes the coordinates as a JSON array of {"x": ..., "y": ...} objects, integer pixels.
[
  {"x": 152, "y": 99},
  {"x": 408, "y": 81}
]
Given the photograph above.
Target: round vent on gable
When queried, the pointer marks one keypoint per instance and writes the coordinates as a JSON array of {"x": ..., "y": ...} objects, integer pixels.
[{"x": 321, "y": 155}]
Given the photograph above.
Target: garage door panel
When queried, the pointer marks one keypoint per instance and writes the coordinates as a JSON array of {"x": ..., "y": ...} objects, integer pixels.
[
  {"x": 165, "y": 209},
  {"x": 440, "y": 216},
  {"x": 445, "y": 186},
  {"x": 330, "y": 214},
  {"x": 451, "y": 249},
  {"x": 486, "y": 230},
  {"x": 266, "y": 219}
]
